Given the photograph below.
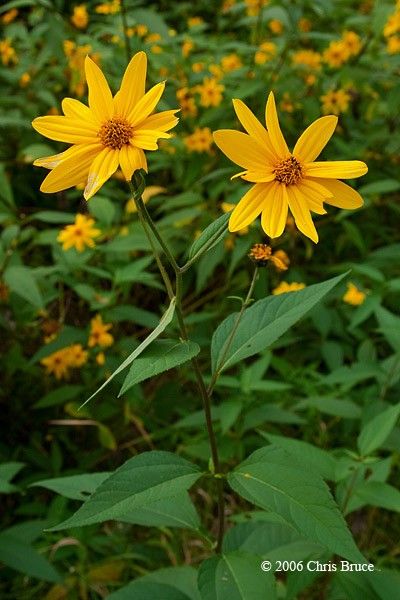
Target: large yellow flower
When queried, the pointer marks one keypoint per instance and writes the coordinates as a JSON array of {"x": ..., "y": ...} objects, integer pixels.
[
  {"x": 110, "y": 132},
  {"x": 285, "y": 179}
]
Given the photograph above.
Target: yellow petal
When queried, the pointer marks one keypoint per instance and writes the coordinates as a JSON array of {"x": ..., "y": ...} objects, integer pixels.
[
  {"x": 132, "y": 85},
  {"x": 343, "y": 196},
  {"x": 274, "y": 214},
  {"x": 103, "y": 166},
  {"x": 254, "y": 128},
  {"x": 131, "y": 159},
  {"x": 241, "y": 149},
  {"x": 65, "y": 129},
  {"x": 315, "y": 194},
  {"x": 100, "y": 97},
  {"x": 249, "y": 207},
  {"x": 301, "y": 212},
  {"x": 311, "y": 143},
  {"x": 71, "y": 171},
  {"x": 146, "y": 104},
  {"x": 50, "y": 162},
  {"x": 275, "y": 134},
  {"x": 258, "y": 176},
  {"x": 163, "y": 121},
  {"x": 147, "y": 138},
  {"x": 336, "y": 169},
  {"x": 77, "y": 110}
]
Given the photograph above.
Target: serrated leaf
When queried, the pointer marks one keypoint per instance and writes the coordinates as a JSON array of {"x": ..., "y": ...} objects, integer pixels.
[
  {"x": 377, "y": 430},
  {"x": 264, "y": 322},
  {"x": 146, "y": 478},
  {"x": 159, "y": 357},
  {"x": 275, "y": 481}
]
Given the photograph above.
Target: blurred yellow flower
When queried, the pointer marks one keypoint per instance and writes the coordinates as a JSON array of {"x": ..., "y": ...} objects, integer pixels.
[
  {"x": 80, "y": 17},
  {"x": 286, "y": 103},
  {"x": 198, "y": 67},
  {"x": 336, "y": 54},
  {"x": 281, "y": 260},
  {"x": 100, "y": 358},
  {"x": 304, "y": 25},
  {"x": 335, "y": 102},
  {"x": 266, "y": 52},
  {"x": 7, "y": 53},
  {"x": 392, "y": 25},
  {"x": 141, "y": 30},
  {"x": 352, "y": 42},
  {"x": 152, "y": 38},
  {"x": 99, "y": 335},
  {"x": 353, "y": 296},
  {"x": 307, "y": 58},
  {"x": 9, "y": 16},
  {"x": 275, "y": 26},
  {"x": 253, "y": 7},
  {"x": 24, "y": 80},
  {"x": 200, "y": 140},
  {"x": 186, "y": 102},
  {"x": 79, "y": 235},
  {"x": 187, "y": 47},
  {"x": 231, "y": 62},
  {"x": 109, "y": 133},
  {"x": 108, "y": 8},
  {"x": 77, "y": 355},
  {"x": 210, "y": 92},
  {"x": 284, "y": 287},
  {"x": 195, "y": 21},
  {"x": 393, "y": 45},
  {"x": 58, "y": 363},
  {"x": 76, "y": 64},
  {"x": 283, "y": 179},
  {"x": 156, "y": 49},
  {"x": 149, "y": 192}
]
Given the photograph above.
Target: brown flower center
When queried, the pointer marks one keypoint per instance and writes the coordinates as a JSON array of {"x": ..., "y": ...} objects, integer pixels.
[
  {"x": 289, "y": 171},
  {"x": 115, "y": 133}
]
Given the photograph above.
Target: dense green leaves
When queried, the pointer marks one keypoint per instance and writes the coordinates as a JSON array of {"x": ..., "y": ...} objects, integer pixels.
[
  {"x": 263, "y": 323},
  {"x": 376, "y": 431},
  {"x": 21, "y": 281}
]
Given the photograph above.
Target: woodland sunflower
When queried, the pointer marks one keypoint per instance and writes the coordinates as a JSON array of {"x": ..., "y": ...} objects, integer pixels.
[
  {"x": 283, "y": 179},
  {"x": 111, "y": 132}
]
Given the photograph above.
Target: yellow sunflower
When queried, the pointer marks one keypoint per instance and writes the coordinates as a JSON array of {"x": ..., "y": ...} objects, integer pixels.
[
  {"x": 285, "y": 179},
  {"x": 110, "y": 132}
]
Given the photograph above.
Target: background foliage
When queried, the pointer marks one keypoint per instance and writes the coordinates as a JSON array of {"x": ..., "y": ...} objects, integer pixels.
[{"x": 320, "y": 403}]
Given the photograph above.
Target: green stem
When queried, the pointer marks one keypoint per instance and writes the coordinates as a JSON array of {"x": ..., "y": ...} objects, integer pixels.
[{"x": 229, "y": 341}]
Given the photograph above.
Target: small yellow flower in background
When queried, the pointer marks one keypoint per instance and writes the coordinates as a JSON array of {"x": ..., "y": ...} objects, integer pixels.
[
  {"x": 80, "y": 17},
  {"x": 392, "y": 25},
  {"x": 231, "y": 62},
  {"x": 210, "y": 92},
  {"x": 149, "y": 192},
  {"x": 336, "y": 54},
  {"x": 99, "y": 335},
  {"x": 284, "y": 287},
  {"x": 304, "y": 25},
  {"x": 141, "y": 30},
  {"x": 266, "y": 53},
  {"x": 195, "y": 21},
  {"x": 108, "y": 8},
  {"x": 76, "y": 64},
  {"x": 261, "y": 255},
  {"x": 59, "y": 363},
  {"x": 77, "y": 355},
  {"x": 100, "y": 358},
  {"x": 307, "y": 58},
  {"x": 198, "y": 67},
  {"x": 227, "y": 5},
  {"x": 9, "y": 16},
  {"x": 110, "y": 132},
  {"x": 393, "y": 45},
  {"x": 79, "y": 235},
  {"x": 354, "y": 296},
  {"x": 335, "y": 102},
  {"x": 283, "y": 179},
  {"x": 216, "y": 71},
  {"x": 253, "y": 7},
  {"x": 24, "y": 80},
  {"x": 153, "y": 38},
  {"x": 286, "y": 104},
  {"x": 186, "y": 102},
  {"x": 200, "y": 140},
  {"x": 352, "y": 41},
  {"x": 275, "y": 26},
  {"x": 7, "y": 53},
  {"x": 156, "y": 49},
  {"x": 187, "y": 47}
]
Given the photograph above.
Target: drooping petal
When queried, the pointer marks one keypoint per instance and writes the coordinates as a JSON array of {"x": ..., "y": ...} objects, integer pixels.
[
  {"x": 241, "y": 149},
  {"x": 336, "y": 169},
  {"x": 343, "y": 196},
  {"x": 99, "y": 93},
  {"x": 163, "y": 121},
  {"x": 274, "y": 214},
  {"x": 249, "y": 207},
  {"x": 315, "y": 194},
  {"x": 254, "y": 128},
  {"x": 71, "y": 171},
  {"x": 301, "y": 213},
  {"x": 50, "y": 162},
  {"x": 65, "y": 129},
  {"x": 146, "y": 104},
  {"x": 275, "y": 134},
  {"x": 258, "y": 176},
  {"x": 104, "y": 165},
  {"x": 132, "y": 85},
  {"x": 311, "y": 143},
  {"x": 147, "y": 138},
  {"x": 131, "y": 159},
  {"x": 77, "y": 110}
]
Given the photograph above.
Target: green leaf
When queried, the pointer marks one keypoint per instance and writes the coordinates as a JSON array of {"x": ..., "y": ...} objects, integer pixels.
[
  {"x": 7, "y": 472},
  {"x": 212, "y": 234},
  {"x": 332, "y": 406},
  {"x": 133, "y": 271},
  {"x": 164, "y": 322},
  {"x": 19, "y": 555},
  {"x": 6, "y": 192},
  {"x": 389, "y": 325},
  {"x": 53, "y": 216},
  {"x": 75, "y": 487},
  {"x": 67, "y": 336},
  {"x": 264, "y": 322},
  {"x": 149, "y": 477},
  {"x": 235, "y": 576},
  {"x": 379, "y": 494},
  {"x": 384, "y": 186},
  {"x": 177, "y": 511},
  {"x": 102, "y": 209},
  {"x": 377, "y": 430},
  {"x": 21, "y": 281},
  {"x": 59, "y": 395},
  {"x": 159, "y": 357},
  {"x": 274, "y": 480},
  {"x": 173, "y": 583}
]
